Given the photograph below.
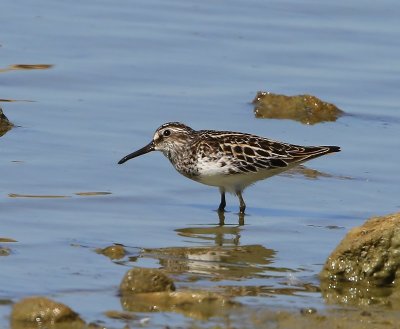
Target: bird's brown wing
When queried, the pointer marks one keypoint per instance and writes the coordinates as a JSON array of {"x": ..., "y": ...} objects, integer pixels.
[{"x": 249, "y": 153}]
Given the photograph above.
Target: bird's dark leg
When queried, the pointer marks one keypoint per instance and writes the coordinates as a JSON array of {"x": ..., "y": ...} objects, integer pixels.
[
  {"x": 242, "y": 203},
  {"x": 222, "y": 205}
]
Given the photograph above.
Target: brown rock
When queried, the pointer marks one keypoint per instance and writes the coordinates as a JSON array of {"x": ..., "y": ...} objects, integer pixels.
[
  {"x": 113, "y": 252},
  {"x": 306, "y": 109},
  {"x": 145, "y": 280},
  {"x": 364, "y": 268},
  {"x": 40, "y": 311},
  {"x": 368, "y": 254},
  {"x": 5, "y": 124}
]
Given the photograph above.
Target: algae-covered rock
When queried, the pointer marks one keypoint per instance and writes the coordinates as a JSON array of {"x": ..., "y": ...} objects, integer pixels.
[
  {"x": 7, "y": 240},
  {"x": 5, "y": 124},
  {"x": 364, "y": 268},
  {"x": 148, "y": 290},
  {"x": 112, "y": 252},
  {"x": 37, "y": 312},
  {"x": 145, "y": 280},
  {"x": 306, "y": 109},
  {"x": 369, "y": 254}
]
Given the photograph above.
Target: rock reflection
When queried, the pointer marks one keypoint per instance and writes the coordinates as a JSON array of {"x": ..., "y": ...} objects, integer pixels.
[
  {"x": 354, "y": 294},
  {"x": 200, "y": 305},
  {"x": 306, "y": 109},
  {"x": 269, "y": 291},
  {"x": 149, "y": 290}
]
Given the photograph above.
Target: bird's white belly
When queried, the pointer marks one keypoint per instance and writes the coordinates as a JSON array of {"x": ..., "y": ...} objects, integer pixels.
[
  {"x": 234, "y": 182},
  {"x": 211, "y": 173}
]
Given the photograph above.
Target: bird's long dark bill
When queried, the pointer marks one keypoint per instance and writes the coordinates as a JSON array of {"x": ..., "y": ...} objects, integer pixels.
[{"x": 148, "y": 148}]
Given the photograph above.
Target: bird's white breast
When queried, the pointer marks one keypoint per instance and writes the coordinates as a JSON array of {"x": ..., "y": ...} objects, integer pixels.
[{"x": 212, "y": 173}]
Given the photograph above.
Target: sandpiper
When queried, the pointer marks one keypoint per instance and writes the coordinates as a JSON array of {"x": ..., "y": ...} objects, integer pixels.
[{"x": 229, "y": 160}]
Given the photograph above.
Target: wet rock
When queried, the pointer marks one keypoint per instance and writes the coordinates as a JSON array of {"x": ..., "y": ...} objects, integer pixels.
[
  {"x": 148, "y": 290},
  {"x": 145, "y": 280},
  {"x": 368, "y": 254},
  {"x": 113, "y": 252},
  {"x": 7, "y": 240},
  {"x": 308, "y": 311},
  {"x": 39, "y": 312},
  {"x": 306, "y": 109},
  {"x": 26, "y": 67},
  {"x": 364, "y": 268},
  {"x": 30, "y": 66},
  {"x": 5, "y": 124}
]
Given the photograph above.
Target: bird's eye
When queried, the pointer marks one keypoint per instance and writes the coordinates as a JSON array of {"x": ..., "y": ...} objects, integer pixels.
[{"x": 166, "y": 132}]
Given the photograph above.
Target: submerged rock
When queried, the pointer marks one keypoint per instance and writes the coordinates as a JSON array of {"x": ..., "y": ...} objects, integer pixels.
[
  {"x": 365, "y": 267},
  {"x": 4, "y": 251},
  {"x": 306, "y": 109},
  {"x": 39, "y": 312},
  {"x": 112, "y": 252},
  {"x": 5, "y": 124},
  {"x": 149, "y": 290},
  {"x": 145, "y": 280}
]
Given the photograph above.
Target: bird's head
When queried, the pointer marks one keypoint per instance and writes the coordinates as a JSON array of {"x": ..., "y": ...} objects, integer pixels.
[{"x": 168, "y": 138}]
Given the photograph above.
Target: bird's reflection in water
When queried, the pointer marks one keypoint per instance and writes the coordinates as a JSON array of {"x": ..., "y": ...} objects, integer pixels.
[
  {"x": 212, "y": 255},
  {"x": 219, "y": 235},
  {"x": 217, "y": 253},
  {"x": 220, "y": 262},
  {"x": 221, "y": 218}
]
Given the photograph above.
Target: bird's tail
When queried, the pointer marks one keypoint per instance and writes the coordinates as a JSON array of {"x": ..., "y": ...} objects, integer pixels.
[
  {"x": 311, "y": 152},
  {"x": 332, "y": 149}
]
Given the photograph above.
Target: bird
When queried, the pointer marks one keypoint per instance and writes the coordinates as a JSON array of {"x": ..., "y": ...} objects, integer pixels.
[{"x": 229, "y": 160}]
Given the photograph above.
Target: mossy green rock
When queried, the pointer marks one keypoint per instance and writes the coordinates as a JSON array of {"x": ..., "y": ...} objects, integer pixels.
[
  {"x": 113, "y": 252},
  {"x": 40, "y": 311},
  {"x": 5, "y": 124},
  {"x": 306, "y": 109},
  {"x": 369, "y": 254},
  {"x": 144, "y": 280}
]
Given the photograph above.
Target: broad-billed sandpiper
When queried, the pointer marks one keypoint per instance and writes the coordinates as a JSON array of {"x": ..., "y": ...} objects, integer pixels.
[{"x": 229, "y": 160}]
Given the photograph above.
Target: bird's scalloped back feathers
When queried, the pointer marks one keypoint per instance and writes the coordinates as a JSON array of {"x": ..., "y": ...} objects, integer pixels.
[{"x": 251, "y": 153}]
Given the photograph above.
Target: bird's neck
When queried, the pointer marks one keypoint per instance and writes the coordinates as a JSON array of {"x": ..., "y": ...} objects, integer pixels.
[{"x": 182, "y": 158}]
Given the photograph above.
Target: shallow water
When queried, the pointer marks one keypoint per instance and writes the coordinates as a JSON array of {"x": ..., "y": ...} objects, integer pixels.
[{"x": 121, "y": 70}]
